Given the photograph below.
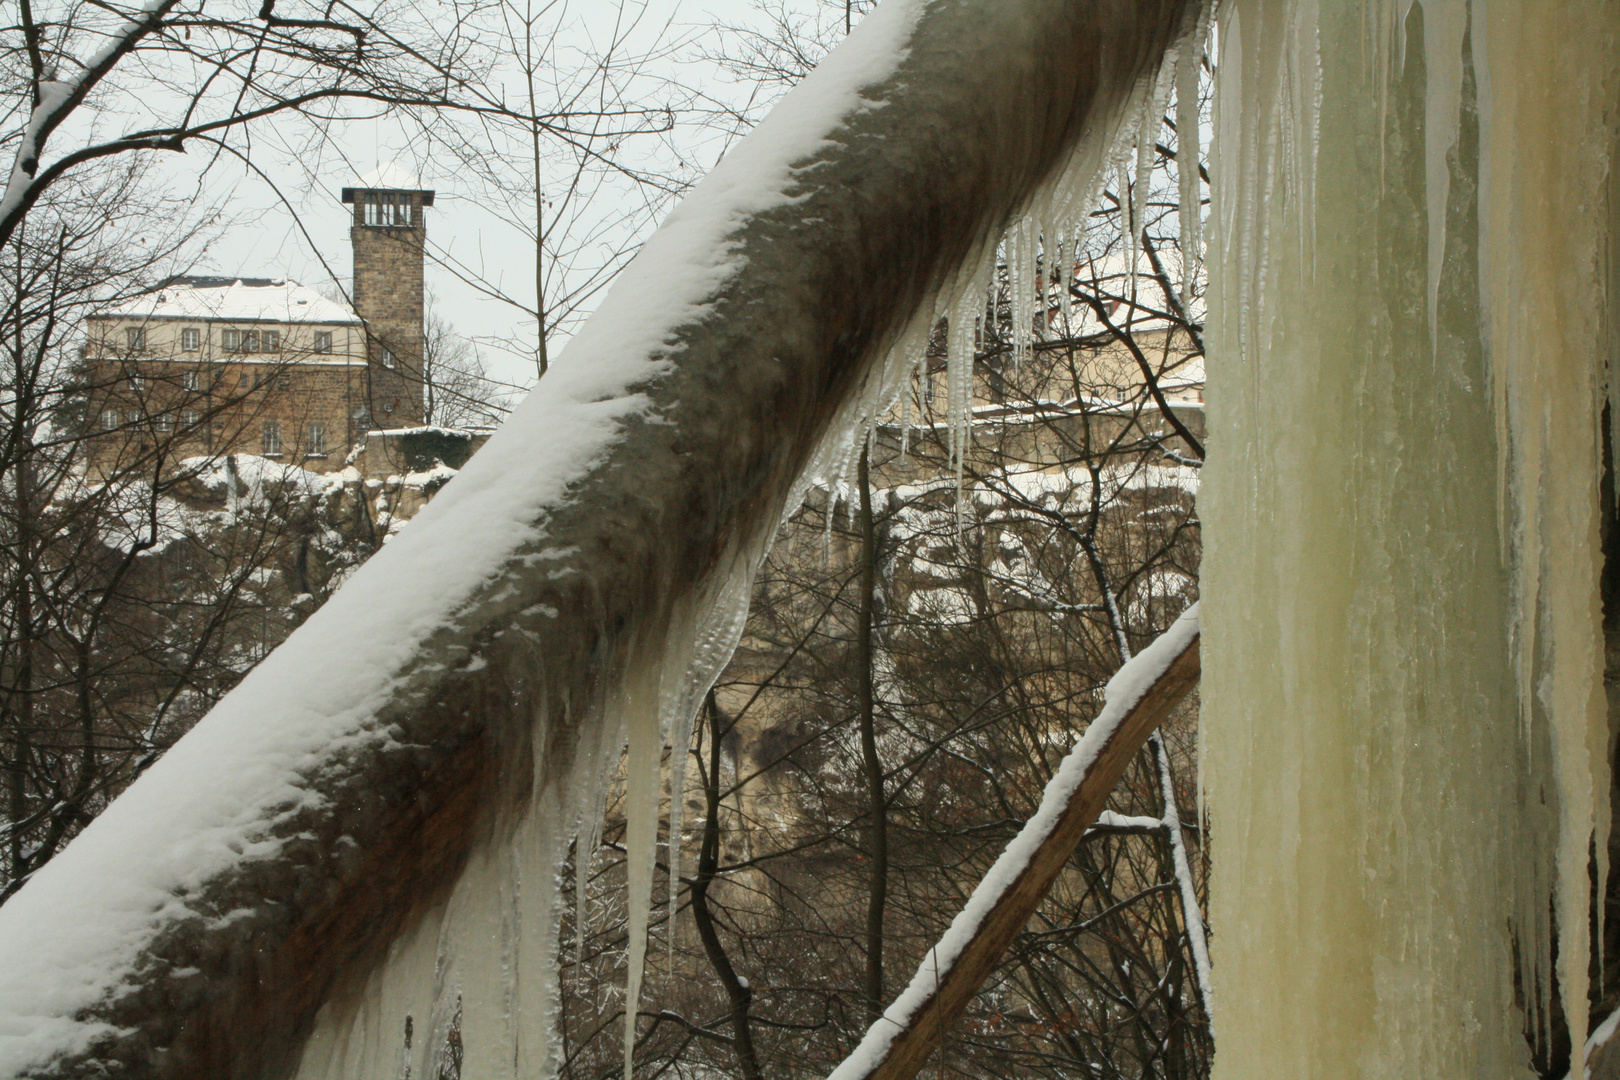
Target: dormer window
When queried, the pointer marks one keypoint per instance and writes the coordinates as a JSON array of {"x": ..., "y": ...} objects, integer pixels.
[{"x": 388, "y": 208}]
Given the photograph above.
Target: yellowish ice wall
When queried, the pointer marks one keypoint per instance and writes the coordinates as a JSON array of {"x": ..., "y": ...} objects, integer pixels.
[{"x": 1402, "y": 717}]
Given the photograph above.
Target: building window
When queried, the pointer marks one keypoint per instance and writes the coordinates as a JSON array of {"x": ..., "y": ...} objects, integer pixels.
[
  {"x": 135, "y": 338},
  {"x": 132, "y": 417},
  {"x": 164, "y": 425},
  {"x": 188, "y": 380},
  {"x": 190, "y": 340},
  {"x": 247, "y": 341},
  {"x": 389, "y": 361},
  {"x": 109, "y": 419},
  {"x": 272, "y": 438},
  {"x": 387, "y": 208},
  {"x": 315, "y": 439},
  {"x": 323, "y": 341},
  {"x": 137, "y": 385},
  {"x": 190, "y": 419}
]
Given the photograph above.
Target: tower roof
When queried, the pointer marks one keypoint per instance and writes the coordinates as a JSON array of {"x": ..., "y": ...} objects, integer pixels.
[{"x": 389, "y": 176}]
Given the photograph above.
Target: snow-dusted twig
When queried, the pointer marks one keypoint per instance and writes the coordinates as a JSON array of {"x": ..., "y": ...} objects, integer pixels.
[
  {"x": 1139, "y": 697},
  {"x": 55, "y": 99},
  {"x": 1191, "y": 913}
]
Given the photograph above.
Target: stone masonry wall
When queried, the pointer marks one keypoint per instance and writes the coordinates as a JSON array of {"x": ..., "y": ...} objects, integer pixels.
[{"x": 388, "y": 295}]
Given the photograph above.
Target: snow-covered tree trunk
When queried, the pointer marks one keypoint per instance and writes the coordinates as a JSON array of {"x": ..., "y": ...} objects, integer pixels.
[{"x": 446, "y": 717}]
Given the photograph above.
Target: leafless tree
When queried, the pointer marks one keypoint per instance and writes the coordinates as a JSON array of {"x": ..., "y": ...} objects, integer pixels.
[
  {"x": 581, "y": 196},
  {"x": 131, "y": 595},
  {"x": 457, "y": 388}
]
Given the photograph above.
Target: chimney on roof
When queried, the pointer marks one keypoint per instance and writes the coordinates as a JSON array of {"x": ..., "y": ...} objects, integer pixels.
[{"x": 388, "y": 236}]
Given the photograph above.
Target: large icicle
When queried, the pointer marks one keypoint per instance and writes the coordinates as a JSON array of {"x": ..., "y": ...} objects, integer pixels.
[
  {"x": 1189, "y": 72},
  {"x": 1404, "y": 746}
]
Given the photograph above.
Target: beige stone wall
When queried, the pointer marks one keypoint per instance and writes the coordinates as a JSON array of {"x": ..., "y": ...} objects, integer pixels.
[
  {"x": 291, "y": 404},
  {"x": 388, "y": 295}
]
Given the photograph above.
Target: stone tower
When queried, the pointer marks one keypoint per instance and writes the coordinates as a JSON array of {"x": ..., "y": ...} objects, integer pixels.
[{"x": 388, "y": 234}]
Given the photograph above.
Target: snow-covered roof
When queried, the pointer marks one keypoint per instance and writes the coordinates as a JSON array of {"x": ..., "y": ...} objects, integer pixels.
[
  {"x": 388, "y": 176},
  {"x": 233, "y": 299}
]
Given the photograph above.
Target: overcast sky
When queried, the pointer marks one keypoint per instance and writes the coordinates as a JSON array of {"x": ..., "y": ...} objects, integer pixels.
[{"x": 269, "y": 239}]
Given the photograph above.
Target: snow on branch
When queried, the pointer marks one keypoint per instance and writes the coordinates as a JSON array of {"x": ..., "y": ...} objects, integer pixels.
[
  {"x": 1139, "y": 697},
  {"x": 54, "y": 101}
]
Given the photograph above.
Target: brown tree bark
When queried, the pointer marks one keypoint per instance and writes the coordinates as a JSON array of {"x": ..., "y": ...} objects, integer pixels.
[{"x": 877, "y": 804}]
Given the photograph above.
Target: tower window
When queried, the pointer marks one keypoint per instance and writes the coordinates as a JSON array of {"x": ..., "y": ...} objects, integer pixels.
[
  {"x": 388, "y": 208},
  {"x": 323, "y": 341},
  {"x": 272, "y": 438},
  {"x": 190, "y": 339}
]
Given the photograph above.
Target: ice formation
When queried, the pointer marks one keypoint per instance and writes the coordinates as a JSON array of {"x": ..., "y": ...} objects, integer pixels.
[{"x": 1404, "y": 742}]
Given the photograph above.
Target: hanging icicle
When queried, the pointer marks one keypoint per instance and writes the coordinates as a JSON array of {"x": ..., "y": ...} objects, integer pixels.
[
  {"x": 1190, "y": 215},
  {"x": 1404, "y": 745}
]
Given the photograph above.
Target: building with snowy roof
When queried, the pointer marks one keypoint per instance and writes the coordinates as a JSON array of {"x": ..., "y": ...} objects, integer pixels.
[{"x": 212, "y": 365}]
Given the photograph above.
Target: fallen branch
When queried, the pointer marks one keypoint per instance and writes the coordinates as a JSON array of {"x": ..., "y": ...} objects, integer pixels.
[{"x": 1139, "y": 697}]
